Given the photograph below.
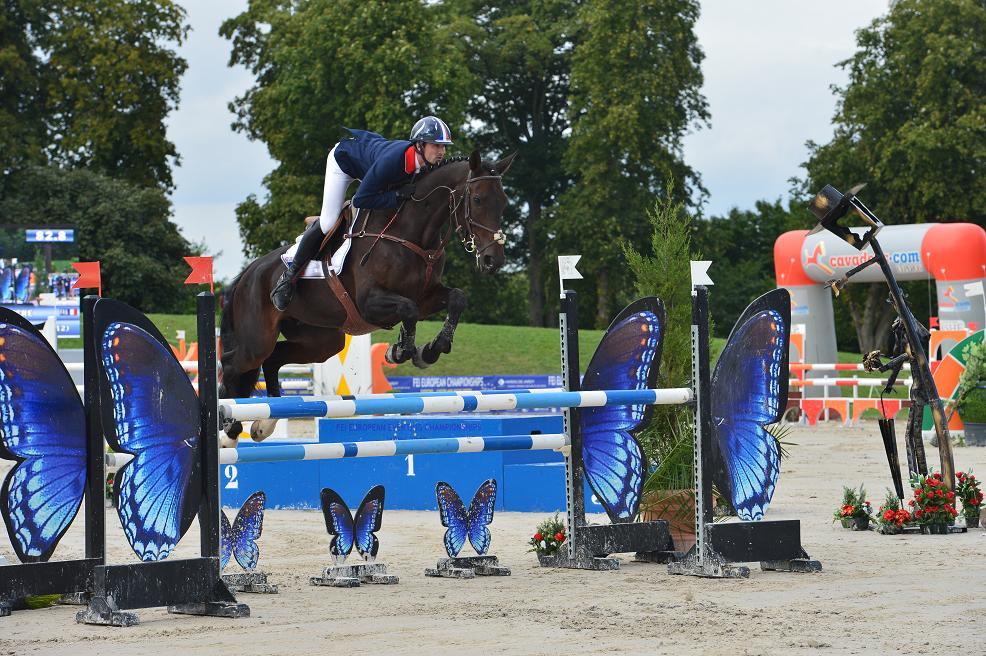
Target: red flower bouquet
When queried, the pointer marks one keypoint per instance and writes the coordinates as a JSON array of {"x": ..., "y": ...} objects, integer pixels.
[
  {"x": 971, "y": 495},
  {"x": 891, "y": 518},
  {"x": 933, "y": 503}
]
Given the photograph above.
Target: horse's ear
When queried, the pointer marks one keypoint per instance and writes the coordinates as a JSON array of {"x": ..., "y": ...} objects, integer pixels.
[
  {"x": 503, "y": 165},
  {"x": 475, "y": 161}
]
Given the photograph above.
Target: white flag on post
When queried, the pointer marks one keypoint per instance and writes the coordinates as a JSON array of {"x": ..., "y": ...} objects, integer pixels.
[
  {"x": 974, "y": 289},
  {"x": 567, "y": 270},
  {"x": 700, "y": 273}
]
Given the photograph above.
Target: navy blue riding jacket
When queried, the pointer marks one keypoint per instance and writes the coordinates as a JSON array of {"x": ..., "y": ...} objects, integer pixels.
[{"x": 381, "y": 164}]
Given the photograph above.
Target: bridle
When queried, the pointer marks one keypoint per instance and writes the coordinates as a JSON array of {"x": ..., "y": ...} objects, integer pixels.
[{"x": 463, "y": 227}]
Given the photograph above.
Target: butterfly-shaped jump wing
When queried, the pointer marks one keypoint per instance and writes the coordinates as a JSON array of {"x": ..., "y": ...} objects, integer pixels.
[
  {"x": 462, "y": 524},
  {"x": 42, "y": 427},
  {"x": 347, "y": 531},
  {"x": 151, "y": 411},
  {"x": 627, "y": 358},
  {"x": 749, "y": 391},
  {"x": 240, "y": 539}
]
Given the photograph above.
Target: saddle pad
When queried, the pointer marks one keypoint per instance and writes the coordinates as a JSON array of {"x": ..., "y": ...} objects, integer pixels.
[{"x": 314, "y": 268}]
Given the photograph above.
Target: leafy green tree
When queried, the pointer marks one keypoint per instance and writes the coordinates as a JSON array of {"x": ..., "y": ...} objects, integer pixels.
[
  {"x": 741, "y": 245},
  {"x": 324, "y": 64},
  {"x": 111, "y": 79},
  {"x": 125, "y": 226},
  {"x": 520, "y": 56},
  {"x": 636, "y": 90},
  {"x": 911, "y": 122},
  {"x": 21, "y": 118}
]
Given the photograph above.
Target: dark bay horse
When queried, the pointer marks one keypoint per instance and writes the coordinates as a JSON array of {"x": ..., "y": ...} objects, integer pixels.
[{"x": 392, "y": 275}]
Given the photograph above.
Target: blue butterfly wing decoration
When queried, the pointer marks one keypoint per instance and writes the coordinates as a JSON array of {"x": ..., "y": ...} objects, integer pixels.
[
  {"x": 480, "y": 516},
  {"x": 246, "y": 530},
  {"x": 749, "y": 391},
  {"x": 369, "y": 516},
  {"x": 23, "y": 285},
  {"x": 627, "y": 358},
  {"x": 150, "y": 410},
  {"x": 6, "y": 284},
  {"x": 225, "y": 540},
  {"x": 42, "y": 428},
  {"x": 339, "y": 524},
  {"x": 453, "y": 515}
]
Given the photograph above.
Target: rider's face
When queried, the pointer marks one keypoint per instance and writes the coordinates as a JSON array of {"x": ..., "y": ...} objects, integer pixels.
[{"x": 433, "y": 152}]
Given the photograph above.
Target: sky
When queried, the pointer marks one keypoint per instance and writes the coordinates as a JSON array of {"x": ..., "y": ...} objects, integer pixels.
[{"x": 769, "y": 66}]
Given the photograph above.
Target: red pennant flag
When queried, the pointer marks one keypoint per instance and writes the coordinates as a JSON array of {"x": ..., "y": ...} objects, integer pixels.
[
  {"x": 201, "y": 271},
  {"x": 88, "y": 276}
]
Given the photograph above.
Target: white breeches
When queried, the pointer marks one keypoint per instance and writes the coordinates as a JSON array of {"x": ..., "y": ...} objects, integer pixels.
[{"x": 334, "y": 194}]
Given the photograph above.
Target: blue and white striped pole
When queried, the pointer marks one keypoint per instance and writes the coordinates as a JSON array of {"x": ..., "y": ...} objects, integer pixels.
[
  {"x": 293, "y": 407},
  {"x": 376, "y": 449}
]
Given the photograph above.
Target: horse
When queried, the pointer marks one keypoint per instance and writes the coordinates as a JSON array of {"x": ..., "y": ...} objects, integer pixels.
[{"x": 392, "y": 275}]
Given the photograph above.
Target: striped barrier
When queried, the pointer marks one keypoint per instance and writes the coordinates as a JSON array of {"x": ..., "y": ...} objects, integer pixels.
[
  {"x": 288, "y": 407},
  {"x": 377, "y": 449}
]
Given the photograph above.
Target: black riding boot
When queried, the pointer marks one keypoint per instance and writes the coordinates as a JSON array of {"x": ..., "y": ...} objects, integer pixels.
[{"x": 281, "y": 295}]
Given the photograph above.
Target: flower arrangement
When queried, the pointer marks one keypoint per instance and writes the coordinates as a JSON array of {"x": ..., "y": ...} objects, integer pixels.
[
  {"x": 891, "y": 518},
  {"x": 109, "y": 485},
  {"x": 855, "y": 511},
  {"x": 971, "y": 495},
  {"x": 933, "y": 502},
  {"x": 548, "y": 537}
]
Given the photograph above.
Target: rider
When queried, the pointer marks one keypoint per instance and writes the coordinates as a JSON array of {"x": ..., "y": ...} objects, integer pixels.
[{"x": 382, "y": 165}]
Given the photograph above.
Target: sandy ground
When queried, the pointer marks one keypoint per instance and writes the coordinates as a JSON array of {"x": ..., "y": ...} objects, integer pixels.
[{"x": 877, "y": 594}]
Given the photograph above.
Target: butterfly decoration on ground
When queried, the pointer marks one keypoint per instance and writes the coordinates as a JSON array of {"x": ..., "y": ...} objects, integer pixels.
[
  {"x": 239, "y": 539},
  {"x": 749, "y": 391},
  {"x": 627, "y": 358},
  {"x": 42, "y": 428},
  {"x": 462, "y": 524},
  {"x": 347, "y": 530},
  {"x": 149, "y": 409}
]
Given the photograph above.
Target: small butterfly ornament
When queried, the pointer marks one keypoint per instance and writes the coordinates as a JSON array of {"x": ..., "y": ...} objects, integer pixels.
[
  {"x": 348, "y": 530},
  {"x": 463, "y": 524},
  {"x": 239, "y": 539}
]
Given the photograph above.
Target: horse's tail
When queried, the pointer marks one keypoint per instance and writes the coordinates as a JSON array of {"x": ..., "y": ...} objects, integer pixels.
[{"x": 226, "y": 335}]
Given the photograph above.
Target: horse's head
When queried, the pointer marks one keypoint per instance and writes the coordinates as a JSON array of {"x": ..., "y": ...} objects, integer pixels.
[{"x": 483, "y": 202}]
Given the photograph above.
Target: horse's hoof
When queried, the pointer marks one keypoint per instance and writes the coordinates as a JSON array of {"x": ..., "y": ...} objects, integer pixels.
[
  {"x": 419, "y": 360},
  {"x": 227, "y": 442},
  {"x": 262, "y": 429}
]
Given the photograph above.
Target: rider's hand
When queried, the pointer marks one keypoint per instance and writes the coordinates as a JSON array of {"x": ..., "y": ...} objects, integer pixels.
[{"x": 405, "y": 192}]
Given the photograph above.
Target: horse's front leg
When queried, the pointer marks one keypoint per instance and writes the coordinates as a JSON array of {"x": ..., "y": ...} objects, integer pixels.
[
  {"x": 380, "y": 308},
  {"x": 455, "y": 301}
]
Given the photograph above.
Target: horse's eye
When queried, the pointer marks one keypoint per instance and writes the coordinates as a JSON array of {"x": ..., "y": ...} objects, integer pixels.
[{"x": 476, "y": 199}]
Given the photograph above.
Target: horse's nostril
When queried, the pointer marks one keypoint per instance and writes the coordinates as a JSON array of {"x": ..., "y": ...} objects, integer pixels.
[{"x": 488, "y": 261}]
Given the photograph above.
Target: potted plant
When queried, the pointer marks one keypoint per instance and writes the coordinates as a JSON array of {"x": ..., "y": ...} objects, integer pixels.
[
  {"x": 547, "y": 541},
  {"x": 971, "y": 399},
  {"x": 891, "y": 518},
  {"x": 933, "y": 502},
  {"x": 971, "y": 495},
  {"x": 855, "y": 511}
]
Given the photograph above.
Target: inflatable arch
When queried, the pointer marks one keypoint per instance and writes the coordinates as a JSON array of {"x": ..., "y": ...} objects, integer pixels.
[{"x": 954, "y": 254}]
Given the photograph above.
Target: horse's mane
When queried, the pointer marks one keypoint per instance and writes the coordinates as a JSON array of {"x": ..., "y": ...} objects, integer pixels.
[{"x": 431, "y": 168}]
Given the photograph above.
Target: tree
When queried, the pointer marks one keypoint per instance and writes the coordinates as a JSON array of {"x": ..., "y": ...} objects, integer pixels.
[
  {"x": 125, "y": 226},
  {"x": 21, "y": 119},
  {"x": 324, "y": 64},
  {"x": 111, "y": 80},
  {"x": 636, "y": 90},
  {"x": 911, "y": 123},
  {"x": 520, "y": 56},
  {"x": 740, "y": 245}
]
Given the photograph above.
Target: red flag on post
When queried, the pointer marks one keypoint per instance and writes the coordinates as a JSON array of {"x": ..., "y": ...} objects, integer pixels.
[
  {"x": 88, "y": 276},
  {"x": 201, "y": 271}
]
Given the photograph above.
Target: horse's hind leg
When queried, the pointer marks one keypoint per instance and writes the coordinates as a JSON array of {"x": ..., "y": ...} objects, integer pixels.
[
  {"x": 455, "y": 300},
  {"x": 307, "y": 344}
]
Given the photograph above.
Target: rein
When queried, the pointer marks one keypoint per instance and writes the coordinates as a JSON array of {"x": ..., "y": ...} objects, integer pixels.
[{"x": 463, "y": 228}]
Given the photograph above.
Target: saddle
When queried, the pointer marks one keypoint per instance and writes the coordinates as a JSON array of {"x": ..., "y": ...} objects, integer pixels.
[{"x": 354, "y": 324}]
